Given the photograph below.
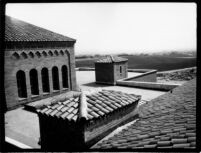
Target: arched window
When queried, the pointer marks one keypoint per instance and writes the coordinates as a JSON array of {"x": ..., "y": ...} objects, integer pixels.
[
  {"x": 24, "y": 55},
  {"x": 34, "y": 82},
  {"x": 64, "y": 76},
  {"x": 55, "y": 78},
  {"x": 21, "y": 84},
  {"x": 31, "y": 55},
  {"x": 45, "y": 80},
  {"x": 16, "y": 55}
]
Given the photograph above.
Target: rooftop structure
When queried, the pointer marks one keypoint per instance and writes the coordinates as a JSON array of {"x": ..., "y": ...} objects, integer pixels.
[
  {"x": 86, "y": 118},
  {"x": 110, "y": 69},
  {"x": 38, "y": 63}
]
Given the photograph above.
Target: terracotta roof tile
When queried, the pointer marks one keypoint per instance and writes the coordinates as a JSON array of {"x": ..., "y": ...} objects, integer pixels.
[
  {"x": 17, "y": 30},
  {"x": 164, "y": 122},
  {"x": 97, "y": 106},
  {"x": 111, "y": 59}
]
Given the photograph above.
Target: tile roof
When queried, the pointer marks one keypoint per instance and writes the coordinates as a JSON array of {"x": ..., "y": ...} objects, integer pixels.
[
  {"x": 111, "y": 59},
  {"x": 89, "y": 105},
  {"x": 168, "y": 121},
  {"x": 17, "y": 30}
]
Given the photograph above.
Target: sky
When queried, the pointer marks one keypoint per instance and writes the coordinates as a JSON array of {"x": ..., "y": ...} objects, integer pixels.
[{"x": 102, "y": 28}]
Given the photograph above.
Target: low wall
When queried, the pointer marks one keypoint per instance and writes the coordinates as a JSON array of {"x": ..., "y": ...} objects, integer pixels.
[
  {"x": 147, "y": 85},
  {"x": 148, "y": 76},
  {"x": 140, "y": 70}
]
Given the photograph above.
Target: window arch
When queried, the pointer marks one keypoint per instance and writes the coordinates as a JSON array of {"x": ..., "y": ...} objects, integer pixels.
[
  {"x": 34, "y": 82},
  {"x": 31, "y": 55},
  {"x": 16, "y": 56},
  {"x": 64, "y": 71},
  {"x": 45, "y": 80},
  {"x": 44, "y": 54},
  {"x": 21, "y": 84},
  {"x": 55, "y": 78},
  {"x": 38, "y": 54},
  {"x": 56, "y": 53},
  {"x": 50, "y": 53},
  {"x": 24, "y": 55},
  {"x": 66, "y": 51},
  {"x": 61, "y": 52}
]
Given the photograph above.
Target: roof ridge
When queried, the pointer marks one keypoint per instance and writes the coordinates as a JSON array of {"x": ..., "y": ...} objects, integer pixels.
[
  {"x": 82, "y": 106},
  {"x": 83, "y": 102},
  {"x": 112, "y": 59}
]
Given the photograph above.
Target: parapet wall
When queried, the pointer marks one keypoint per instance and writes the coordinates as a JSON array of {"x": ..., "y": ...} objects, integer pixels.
[
  {"x": 147, "y": 75},
  {"x": 148, "y": 85}
]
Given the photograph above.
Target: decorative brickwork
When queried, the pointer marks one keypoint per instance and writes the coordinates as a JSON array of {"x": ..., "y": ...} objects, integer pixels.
[{"x": 29, "y": 63}]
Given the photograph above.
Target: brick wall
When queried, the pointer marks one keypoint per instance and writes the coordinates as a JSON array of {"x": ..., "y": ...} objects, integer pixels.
[
  {"x": 102, "y": 127},
  {"x": 117, "y": 74},
  {"x": 147, "y": 78},
  {"x": 104, "y": 73},
  {"x": 60, "y": 134},
  {"x": 25, "y": 63},
  {"x": 110, "y": 72}
]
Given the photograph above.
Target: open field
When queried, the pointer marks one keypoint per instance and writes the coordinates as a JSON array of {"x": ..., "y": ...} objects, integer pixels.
[{"x": 161, "y": 63}]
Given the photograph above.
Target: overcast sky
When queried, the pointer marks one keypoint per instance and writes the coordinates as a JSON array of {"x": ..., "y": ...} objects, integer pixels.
[{"x": 116, "y": 27}]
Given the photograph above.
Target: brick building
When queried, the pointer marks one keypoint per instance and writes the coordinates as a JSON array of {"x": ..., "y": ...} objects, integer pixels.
[
  {"x": 81, "y": 121},
  {"x": 38, "y": 63},
  {"x": 110, "y": 69}
]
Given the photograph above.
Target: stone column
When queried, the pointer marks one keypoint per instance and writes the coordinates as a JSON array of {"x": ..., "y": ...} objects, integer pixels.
[
  {"x": 50, "y": 80},
  {"x": 40, "y": 88},
  {"x": 28, "y": 84},
  {"x": 60, "y": 78}
]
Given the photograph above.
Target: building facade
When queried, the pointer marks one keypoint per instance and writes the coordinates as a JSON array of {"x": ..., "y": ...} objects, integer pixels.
[
  {"x": 110, "y": 69},
  {"x": 38, "y": 63}
]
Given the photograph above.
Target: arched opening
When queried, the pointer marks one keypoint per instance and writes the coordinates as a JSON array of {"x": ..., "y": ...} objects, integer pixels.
[
  {"x": 55, "y": 78},
  {"x": 64, "y": 76},
  {"x": 31, "y": 55},
  {"x": 44, "y": 54},
  {"x": 56, "y": 53},
  {"x": 38, "y": 54},
  {"x": 34, "y": 82},
  {"x": 45, "y": 80},
  {"x": 50, "y": 53},
  {"x": 24, "y": 55},
  {"x": 16, "y": 55},
  {"x": 21, "y": 84},
  {"x": 61, "y": 52}
]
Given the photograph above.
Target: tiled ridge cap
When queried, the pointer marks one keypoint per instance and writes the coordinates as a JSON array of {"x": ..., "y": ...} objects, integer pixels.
[
  {"x": 83, "y": 102},
  {"x": 112, "y": 59}
]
